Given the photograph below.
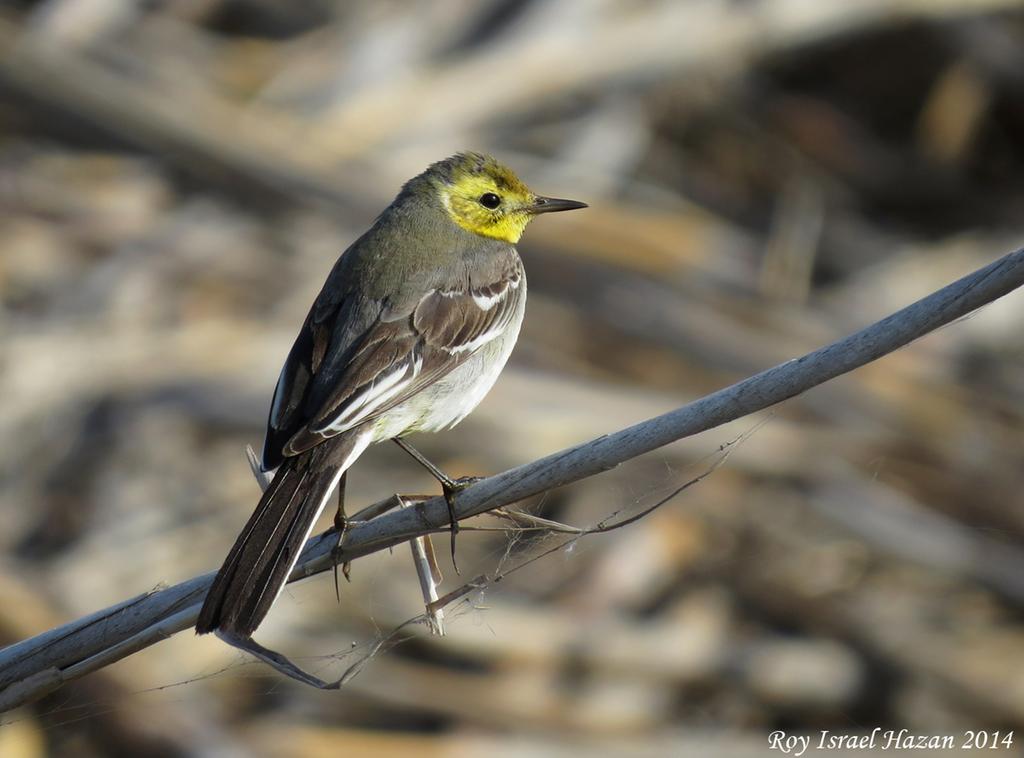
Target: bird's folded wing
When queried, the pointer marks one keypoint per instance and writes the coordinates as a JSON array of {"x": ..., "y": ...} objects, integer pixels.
[{"x": 402, "y": 353}]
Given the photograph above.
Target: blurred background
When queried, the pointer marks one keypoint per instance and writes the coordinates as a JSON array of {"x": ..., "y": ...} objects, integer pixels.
[{"x": 176, "y": 179}]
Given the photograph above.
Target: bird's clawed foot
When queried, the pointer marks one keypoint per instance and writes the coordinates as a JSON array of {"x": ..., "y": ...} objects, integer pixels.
[
  {"x": 456, "y": 486},
  {"x": 341, "y": 526},
  {"x": 452, "y": 487}
]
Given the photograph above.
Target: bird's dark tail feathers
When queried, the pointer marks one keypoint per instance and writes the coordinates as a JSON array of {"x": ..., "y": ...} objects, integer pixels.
[{"x": 267, "y": 549}]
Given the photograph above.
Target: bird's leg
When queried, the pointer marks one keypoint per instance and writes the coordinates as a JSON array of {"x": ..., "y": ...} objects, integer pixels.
[
  {"x": 341, "y": 524},
  {"x": 450, "y": 487}
]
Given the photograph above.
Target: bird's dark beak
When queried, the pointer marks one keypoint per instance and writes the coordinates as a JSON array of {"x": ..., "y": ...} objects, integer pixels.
[{"x": 552, "y": 204}]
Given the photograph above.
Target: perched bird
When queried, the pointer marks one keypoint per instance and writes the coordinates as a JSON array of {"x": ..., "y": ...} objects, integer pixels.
[{"x": 409, "y": 332}]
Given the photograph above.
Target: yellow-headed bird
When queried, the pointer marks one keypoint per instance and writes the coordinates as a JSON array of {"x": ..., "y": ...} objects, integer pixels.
[{"x": 410, "y": 331}]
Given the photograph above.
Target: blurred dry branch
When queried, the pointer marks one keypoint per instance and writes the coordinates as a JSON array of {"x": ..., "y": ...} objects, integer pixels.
[
  {"x": 36, "y": 666},
  {"x": 209, "y": 133},
  {"x": 176, "y": 179}
]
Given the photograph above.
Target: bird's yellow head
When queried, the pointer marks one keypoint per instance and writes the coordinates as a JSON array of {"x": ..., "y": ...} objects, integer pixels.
[{"x": 486, "y": 198}]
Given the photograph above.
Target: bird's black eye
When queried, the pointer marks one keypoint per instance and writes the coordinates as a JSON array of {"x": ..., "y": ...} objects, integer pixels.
[{"x": 490, "y": 200}]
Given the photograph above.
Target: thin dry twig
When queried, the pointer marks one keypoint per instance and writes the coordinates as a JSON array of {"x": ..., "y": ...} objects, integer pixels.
[{"x": 578, "y": 532}]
